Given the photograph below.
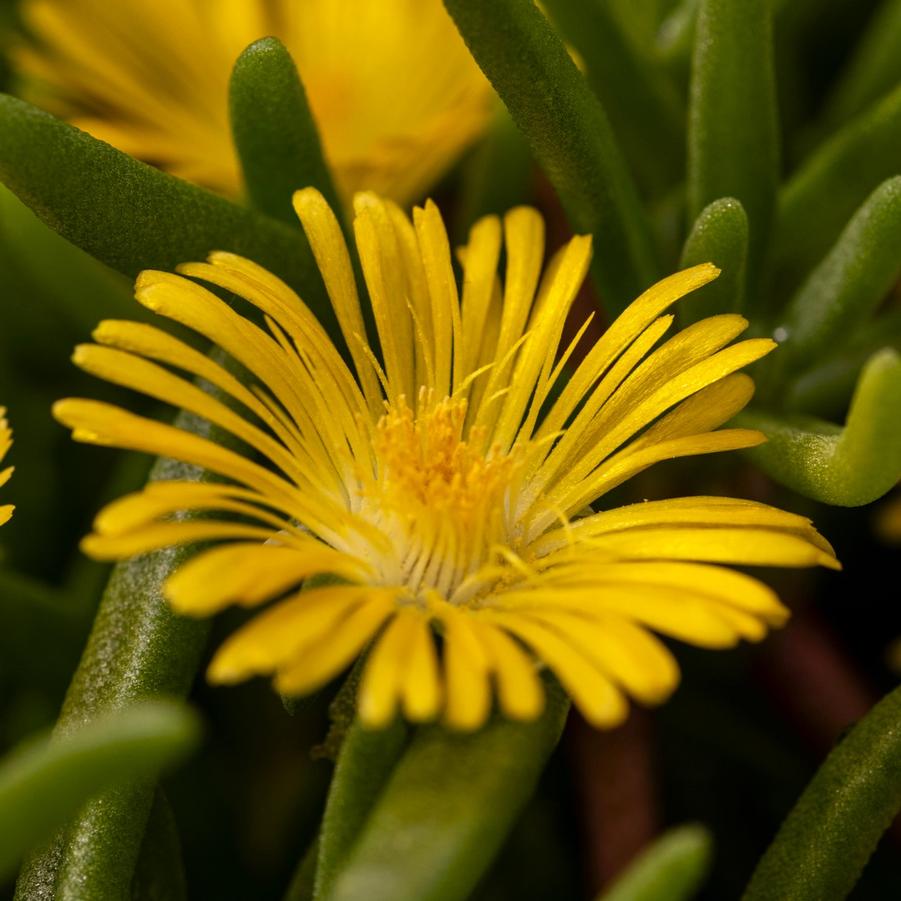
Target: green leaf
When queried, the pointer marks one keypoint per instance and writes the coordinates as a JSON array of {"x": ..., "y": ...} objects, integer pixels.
[
  {"x": 719, "y": 236},
  {"x": 71, "y": 282},
  {"x": 275, "y": 135},
  {"x": 132, "y": 216},
  {"x": 137, "y": 648},
  {"x": 44, "y": 783},
  {"x": 826, "y": 389},
  {"x": 845, "y": 467},
  {"x": 874, "y": 68},
  {"x": 570, "y": 136},
  {"x": 845, "y": 289},
  {"x": 447, "y": 808},
  {"x": 363, "y": 767},
  {"x": 827, "y": 839},
  {"x": 672, "y": 869},
  {"x": 831, "y": 184},
  {"x": 733, "y": 134},
  {"x": 644, "y": 108}
]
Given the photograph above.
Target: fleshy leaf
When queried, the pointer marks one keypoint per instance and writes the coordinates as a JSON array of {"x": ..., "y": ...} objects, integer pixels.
[
  {"x": 643, "y": 107},
  {"x": 74, "y": 284},
  {"x": 673, "y": 868},
  {"x": 132, "y": 216},
  {"x": 44, "y": 783},
  {"x": 363, "y": 766},
  {"x": 827, "y": 839},
  {"x": 137, "y": 648},
  {"x": 845, "y": 289},
  {"x": 733, "y": 136},
  {"x": 874, "y": 68},
  {"x": 831, "y": 184},
  {"x": 845, "y": 467},
  {"x": 449, "y": 804},
  {"x": 570, "y": 136},
  {"x": 826, "y": 389},
  {"x": 274, "y": 131},
  {"x": 719, "y": 236}
]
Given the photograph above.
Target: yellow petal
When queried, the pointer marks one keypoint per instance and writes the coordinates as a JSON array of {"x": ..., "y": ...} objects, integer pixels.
[
  {"x": 316, "y": 664},
  {"x": 382, "y": 683},
  {"x": 290, "y": 629},
  {"x": 248, "y": 574}
]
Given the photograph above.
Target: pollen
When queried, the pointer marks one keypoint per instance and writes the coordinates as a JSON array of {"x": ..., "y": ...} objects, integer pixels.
[{"x": 436, "y": 491}]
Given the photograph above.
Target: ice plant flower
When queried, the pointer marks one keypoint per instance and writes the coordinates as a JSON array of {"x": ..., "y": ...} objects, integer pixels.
[
  {"x": 392, "y": 87},
  {"x": 442, "y": 477}
]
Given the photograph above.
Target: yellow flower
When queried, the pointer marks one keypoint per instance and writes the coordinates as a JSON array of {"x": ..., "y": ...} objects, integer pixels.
[
  {"x": 394, "y": 92},
  {"x": 447, "y": 486},
  {"x": 6, "y": 442}
]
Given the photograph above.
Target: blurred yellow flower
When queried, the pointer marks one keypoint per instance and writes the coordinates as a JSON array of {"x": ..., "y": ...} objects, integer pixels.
[
  {"x": 393, "y": 89},
  {"x": 444, "y": 478},
  {"x": 6, "y": 442}
]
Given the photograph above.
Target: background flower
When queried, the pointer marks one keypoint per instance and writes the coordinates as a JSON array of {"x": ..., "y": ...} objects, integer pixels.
[{"x": 395, "y": 95}]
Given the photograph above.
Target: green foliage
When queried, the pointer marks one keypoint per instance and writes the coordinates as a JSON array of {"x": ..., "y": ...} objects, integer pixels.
[
  {"x": 719, "y": 236},
  {"x": 132, "y": 216},
  {"x": 846, "y": 467},
  {"x": 569, "y": 134},
  {"x": 834, "y": 180},
  {"x": 66, "y": 278},
  {"x": 44, "y": 783},
  {"x": 274, "y": 131},
  {"x": 138, "y": 648},
  {"x": 828, "y": 837},
  {"x": 446, "y": 809},
  {"x": 645, "y": 111},
  {"x": 847, "y": 286},
  {"x": 672, "y": 869},
  {"x": 733, "y": 138},
  {"x": 875, "y": 66},
  {"x": 364, "y": 764}
]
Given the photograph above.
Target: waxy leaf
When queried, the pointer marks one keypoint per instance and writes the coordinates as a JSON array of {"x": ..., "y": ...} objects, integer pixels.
[
  {"x": 733, "y": 136},
  {"x": 44, "y": 783},
  {"x": 570, "y": 136},
  {"x": 644, "y": 108},
  {"x": 275, "y": 135},
  {"x": 827, "y": 839},
  {"x": 874, "y": 68},
  {"x": 826, "y": 389},
  {"x": 719, "y": 236},
  {"x": 137, "y": 649},
  {"x": 447, "y": 808},
  {"x": 75, "y": 285},
  {"x": 845, "y": 289},
  {"x": 831, "y": 184},
  {"x": 845, "y": 467},
  {"x": 363, "y": 766},
  {"x": 132, "y": 216},
  {"x": 671, "y": 869}
]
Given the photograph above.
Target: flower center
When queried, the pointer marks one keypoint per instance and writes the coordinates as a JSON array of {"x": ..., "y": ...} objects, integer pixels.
[{"x": 440, "y": 497}]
